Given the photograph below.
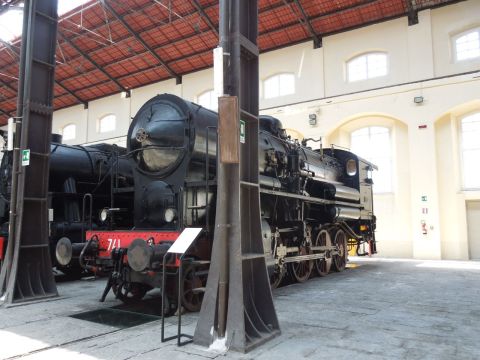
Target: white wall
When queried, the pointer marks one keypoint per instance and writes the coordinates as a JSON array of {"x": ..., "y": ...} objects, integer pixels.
[
  {"x": 73, "y": 115},
  {"x": 452, "y": 207},
  {"x": 425, "y": 160},
  {"x": 393, "y": 208},
  {"x": 196, "y": 83},
  {"x": 140, "y": 96},
  {"x": 390, "y": 37},
  {"x": 116, "y": 105},
  {"x": 400, "y": 213},
  {"x": 446, "y": 22},
  {"x": 301, "y": 60}
]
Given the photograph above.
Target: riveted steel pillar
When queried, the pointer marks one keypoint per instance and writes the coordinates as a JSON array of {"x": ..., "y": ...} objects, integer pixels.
[
  {"x": 238, "y": 305},
  {"x": 27, "y": 271}
]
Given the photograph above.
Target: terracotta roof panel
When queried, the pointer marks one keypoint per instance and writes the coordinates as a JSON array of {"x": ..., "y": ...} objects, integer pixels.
[{"x": 176, "y": 34}]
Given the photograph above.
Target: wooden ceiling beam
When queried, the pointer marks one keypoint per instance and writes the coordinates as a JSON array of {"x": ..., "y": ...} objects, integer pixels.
[
  {"x": 96, "y": 65},
  {"x": 139, "y": 39},
  {"x": 310, "y": 19},
  {"x": 205, "y": 17},
  {"x": 412, "y": 12},
  {"x": 317, "y": 40},
  {"x": 17, "y": 55}
]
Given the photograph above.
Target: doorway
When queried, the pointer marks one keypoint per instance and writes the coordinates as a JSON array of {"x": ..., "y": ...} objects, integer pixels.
[{"x": 473, "y": 222}]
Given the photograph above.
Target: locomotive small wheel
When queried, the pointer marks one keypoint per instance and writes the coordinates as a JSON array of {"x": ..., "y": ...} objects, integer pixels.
[
  {"x": 129, "y": 293},
  {"x": 277, "y": 276},
  {"x": 323, "y": 266},
  {"x": 192, "y": 298},
  {"x": 340, "y": 260},
  {"x": 301, "y": 270}
]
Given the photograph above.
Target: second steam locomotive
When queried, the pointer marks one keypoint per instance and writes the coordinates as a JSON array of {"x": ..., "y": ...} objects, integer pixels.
[
  {"x": 80, "y": 186},
  {"x": 315, "y": 204}
]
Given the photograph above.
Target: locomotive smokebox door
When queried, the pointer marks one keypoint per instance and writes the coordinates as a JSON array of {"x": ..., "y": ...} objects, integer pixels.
[{"x": 160, "y": 135}]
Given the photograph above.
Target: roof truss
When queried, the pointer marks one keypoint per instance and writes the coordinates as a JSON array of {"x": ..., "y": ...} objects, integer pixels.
[{"x": 109, "y": 46}]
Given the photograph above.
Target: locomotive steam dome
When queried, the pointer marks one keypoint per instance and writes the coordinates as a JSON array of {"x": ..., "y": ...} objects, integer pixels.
[
  {"x": 158, "y": 135},
  {"x": 272, "y": 125}
]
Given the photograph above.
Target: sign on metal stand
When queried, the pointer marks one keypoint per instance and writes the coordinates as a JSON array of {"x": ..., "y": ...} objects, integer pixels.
[
  {"x": 178, "y": 250},
  {"x": 238, "y": 307}
]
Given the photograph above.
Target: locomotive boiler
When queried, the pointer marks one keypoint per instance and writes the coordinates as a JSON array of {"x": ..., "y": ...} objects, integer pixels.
[
  {"x": 314, "y": 203},
  {"x": 80, "y": 185}
]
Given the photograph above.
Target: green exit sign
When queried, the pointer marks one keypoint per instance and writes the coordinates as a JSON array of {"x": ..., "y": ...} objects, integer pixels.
[
  {"x": 26, "y": 157},
  {"x": 242, "y": 131}
]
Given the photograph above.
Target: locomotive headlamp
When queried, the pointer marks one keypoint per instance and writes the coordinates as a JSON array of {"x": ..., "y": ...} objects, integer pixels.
[
  {"x": 363, "y": 227},
  {"x": 351, "y": 167},
  {"x": 104, "y": 214},
  {"x": 170, "y": 215}
]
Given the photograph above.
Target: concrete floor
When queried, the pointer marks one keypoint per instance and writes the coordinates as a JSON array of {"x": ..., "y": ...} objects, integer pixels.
[{"x": 376, "y": 309}]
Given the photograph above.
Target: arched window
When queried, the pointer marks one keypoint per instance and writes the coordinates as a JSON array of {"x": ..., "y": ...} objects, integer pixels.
[
  {"x": 279, "y": 85},
  {"x": 470, "y": 149},
  {"x": 367, "y": 66},
  {"x": 467, "y": 45},
  {"x": 373, "y": 144},
  {"x": 208, "y": 99},
  {"x": 107, "y": 123},
  {"x": 69, "y": 132}
]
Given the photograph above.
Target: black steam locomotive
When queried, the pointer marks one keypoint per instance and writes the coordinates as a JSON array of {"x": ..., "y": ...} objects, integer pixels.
[
  {"x": 314, "y": 203},
  {"x": 80, "y": 186}
]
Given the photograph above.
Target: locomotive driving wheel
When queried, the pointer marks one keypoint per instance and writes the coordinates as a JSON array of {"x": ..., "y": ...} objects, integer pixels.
[
  {"x": 192, "y": 289},
  {"x": 323, "y": 266},
  {"x": 301, "y": 270},
  {"x": 128, "y": 292},
  {"x": 340, "y": 260}
]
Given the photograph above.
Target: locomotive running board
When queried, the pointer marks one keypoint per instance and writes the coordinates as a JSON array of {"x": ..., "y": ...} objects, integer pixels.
[{"x": 309, "y": 198}]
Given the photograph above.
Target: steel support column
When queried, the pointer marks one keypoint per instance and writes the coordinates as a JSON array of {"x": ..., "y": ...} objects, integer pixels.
[
  {"x": 27, "y": 271},
  {"x": 238, "y": 302}
]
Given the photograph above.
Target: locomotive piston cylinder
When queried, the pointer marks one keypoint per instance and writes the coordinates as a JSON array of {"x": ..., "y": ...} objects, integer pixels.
[
  {"x": 346, "y": 213},
  {"x": 339, "y": 192},
  {"x": 346, "y": 193}
]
